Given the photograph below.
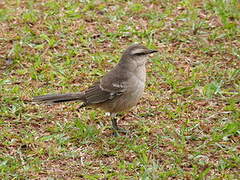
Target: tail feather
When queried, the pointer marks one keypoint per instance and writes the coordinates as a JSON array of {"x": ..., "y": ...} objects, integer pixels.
[{"x": 58, "y": 98}]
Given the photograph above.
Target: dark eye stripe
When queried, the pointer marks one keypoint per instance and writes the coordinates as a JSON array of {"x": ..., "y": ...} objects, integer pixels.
[{"x": 140, "y": 54}]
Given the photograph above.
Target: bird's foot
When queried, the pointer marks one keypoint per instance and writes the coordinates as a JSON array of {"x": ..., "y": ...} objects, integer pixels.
[{"x": 116, "y": 129}]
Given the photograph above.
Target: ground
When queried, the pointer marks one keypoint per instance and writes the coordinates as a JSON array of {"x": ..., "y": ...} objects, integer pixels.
[{"x": 186, "y": 126}]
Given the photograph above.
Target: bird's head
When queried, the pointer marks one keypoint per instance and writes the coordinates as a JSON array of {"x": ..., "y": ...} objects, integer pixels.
[{"x": 137, "y": 53}]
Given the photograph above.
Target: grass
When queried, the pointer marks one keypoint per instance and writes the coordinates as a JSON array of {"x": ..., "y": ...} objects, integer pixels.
[{"x": 187, "y": 125}]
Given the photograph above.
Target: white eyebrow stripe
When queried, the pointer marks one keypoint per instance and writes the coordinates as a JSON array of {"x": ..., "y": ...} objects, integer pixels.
[{"x": 137, "y": 51}]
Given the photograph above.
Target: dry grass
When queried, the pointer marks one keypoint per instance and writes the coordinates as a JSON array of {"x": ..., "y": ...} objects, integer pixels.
[{"x": 185, "y": 127}]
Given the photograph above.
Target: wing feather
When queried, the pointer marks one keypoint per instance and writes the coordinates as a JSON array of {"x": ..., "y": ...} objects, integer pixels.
[{"x": 112, "y": 85}]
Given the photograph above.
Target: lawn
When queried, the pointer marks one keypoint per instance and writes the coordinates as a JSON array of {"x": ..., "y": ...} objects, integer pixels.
[{"x": 186, "y": 126}]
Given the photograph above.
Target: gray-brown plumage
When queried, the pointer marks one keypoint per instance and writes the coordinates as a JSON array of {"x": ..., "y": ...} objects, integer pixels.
[{"x": 119, "y": 90}]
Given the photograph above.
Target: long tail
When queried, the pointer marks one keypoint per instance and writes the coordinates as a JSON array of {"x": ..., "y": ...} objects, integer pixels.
[{"x": 58, "y": 98}]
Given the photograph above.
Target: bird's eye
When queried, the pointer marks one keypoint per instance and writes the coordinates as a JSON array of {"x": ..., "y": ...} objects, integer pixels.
[{"x": 140, "y": 54}]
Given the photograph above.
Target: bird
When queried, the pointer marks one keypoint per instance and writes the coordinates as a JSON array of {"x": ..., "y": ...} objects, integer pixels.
[{"x": 117, "y": 91}]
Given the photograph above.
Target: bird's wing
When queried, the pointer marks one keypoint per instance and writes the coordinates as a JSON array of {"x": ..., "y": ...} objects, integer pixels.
[
  {"x": 112, "y": 85},
  {"x": 97, "y": 94}
]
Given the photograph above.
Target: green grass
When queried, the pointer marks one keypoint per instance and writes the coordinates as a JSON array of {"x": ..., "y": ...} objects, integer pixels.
[{"x": 187, "y": 125}]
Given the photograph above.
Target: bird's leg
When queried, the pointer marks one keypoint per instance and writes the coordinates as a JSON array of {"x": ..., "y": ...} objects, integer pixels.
[{"x": 115, "y": 126}]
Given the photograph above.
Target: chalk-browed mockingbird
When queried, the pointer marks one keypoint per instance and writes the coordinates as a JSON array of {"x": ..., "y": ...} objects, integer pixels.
[{"x": 119, "y": 90}]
